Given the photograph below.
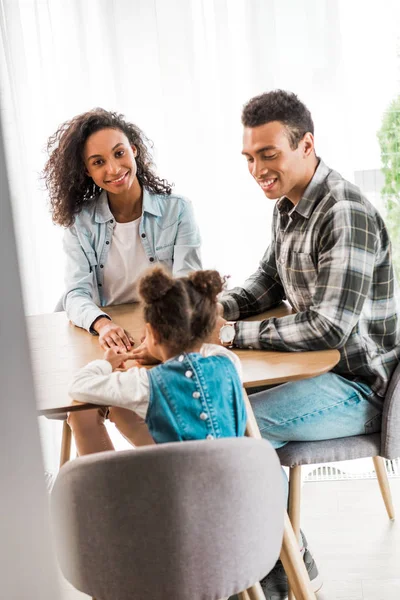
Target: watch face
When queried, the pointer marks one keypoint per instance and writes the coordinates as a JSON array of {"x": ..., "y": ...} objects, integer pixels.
[{"x": 227, "y": 333}]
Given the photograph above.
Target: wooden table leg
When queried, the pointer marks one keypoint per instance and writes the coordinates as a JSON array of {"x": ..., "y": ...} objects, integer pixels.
[{"x": 65, "y": 453}]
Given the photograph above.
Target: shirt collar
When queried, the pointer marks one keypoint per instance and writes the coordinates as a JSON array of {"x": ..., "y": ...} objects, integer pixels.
[
  {"x": 150, "y": 203},
  {"x": 311, "y": 194},
  {"x": 104, "y": 214},
  {"x": 102, "y": 211}
]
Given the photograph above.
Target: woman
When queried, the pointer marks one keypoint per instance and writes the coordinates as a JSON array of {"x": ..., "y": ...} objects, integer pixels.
[{"x": 120, "y": 218}]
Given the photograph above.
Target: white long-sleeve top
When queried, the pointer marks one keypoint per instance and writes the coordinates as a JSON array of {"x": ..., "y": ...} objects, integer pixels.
[{"x": 96, "y": 383}]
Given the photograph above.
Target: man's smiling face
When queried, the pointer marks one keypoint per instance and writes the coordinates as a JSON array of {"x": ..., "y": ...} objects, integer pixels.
[{"x": 279, "y": 169}]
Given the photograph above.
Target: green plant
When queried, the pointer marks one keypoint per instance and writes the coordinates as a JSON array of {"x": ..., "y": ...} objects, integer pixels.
[{"x": 389, "y": 140}]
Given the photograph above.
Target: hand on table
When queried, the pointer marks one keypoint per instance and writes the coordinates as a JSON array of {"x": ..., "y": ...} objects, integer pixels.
[
  {"x": 112, "y": 335},
  {"x": 214, "y": 337},
  {"x": 220, "y": 309},
  {"x": 117, "y": 358},
  {"x": 142, "y": 355}
]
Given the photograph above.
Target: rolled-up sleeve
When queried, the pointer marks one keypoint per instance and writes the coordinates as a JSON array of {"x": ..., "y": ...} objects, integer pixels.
[
  {"x": 187, "y": 255},
  {"x": 80, "y": 288},
  {"x": 261, "y": 291},
  {"x": 346, "y": 262}
]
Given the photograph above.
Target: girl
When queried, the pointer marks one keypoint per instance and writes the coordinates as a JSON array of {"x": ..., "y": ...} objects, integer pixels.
[
  {"x": 119, "y": 215},
  {"x": 196, "y": 392}
]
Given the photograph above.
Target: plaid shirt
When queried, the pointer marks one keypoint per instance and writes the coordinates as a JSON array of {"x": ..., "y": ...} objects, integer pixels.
[{"x": 330, "y": 257}]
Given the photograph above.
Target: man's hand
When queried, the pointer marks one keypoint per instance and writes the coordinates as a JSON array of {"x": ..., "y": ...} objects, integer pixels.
[
  {"x": 214, "y": 337},
  {"x": 117, "y": 358},
  {"x": 112, "y": 335}
]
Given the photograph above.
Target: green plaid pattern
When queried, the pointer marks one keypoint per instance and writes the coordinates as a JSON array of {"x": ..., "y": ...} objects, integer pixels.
[{"x": 330, "y": 258}]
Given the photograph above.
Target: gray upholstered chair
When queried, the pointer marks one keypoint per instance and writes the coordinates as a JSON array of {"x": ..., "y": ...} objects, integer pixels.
[
  {"x": 376, "y": 445},
  {"x": 200, "y": 520}
]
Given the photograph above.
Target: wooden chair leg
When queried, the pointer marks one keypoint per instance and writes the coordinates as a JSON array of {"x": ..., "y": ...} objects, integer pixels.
[
  {"x": 294, "y": 565},
  {"x": 294, "y": 505},
  {"x": 243, "y": 595},
  {"x": 381, "y": 474},
  {"x": 65, "y": 453},
  {"x": 294, "y": 499},
  {"x": 291, "y": 558},
  {"x": 255, "y": 592}
]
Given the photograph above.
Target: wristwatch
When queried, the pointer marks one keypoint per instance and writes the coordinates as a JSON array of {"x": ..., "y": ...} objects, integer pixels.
[{"x": 227, "y": 334}]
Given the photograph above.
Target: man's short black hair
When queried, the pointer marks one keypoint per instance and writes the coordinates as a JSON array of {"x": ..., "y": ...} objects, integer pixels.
[{"x": 281, "y": 106}]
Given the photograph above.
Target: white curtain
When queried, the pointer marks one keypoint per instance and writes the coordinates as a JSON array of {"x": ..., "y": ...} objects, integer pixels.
[{"x": 182, "y": 70}]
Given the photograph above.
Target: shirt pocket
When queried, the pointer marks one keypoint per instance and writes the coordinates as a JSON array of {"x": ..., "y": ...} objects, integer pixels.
[
  {"x": 299, "y": 276},
  {"x": 165, "y": 254},
  {"x": 92, "y": 259}
]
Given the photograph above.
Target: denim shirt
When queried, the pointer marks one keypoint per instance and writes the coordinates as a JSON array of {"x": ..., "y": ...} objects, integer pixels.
[
  {"x": 193, "y": 397},
  {"x": 168, "y": 232}
]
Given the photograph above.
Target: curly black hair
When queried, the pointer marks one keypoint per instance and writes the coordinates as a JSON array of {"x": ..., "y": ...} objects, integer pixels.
[
  {"x": 67, "y": 182},
  {"x": 184, "y": 310},
  {"x": 282, "y": 106}
]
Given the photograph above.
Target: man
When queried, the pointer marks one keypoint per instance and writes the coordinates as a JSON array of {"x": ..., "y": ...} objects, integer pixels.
[{"x": 330, "y": 258}]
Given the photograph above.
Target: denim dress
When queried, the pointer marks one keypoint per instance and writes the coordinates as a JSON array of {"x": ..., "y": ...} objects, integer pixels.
[{"x": 194, "y": 397}]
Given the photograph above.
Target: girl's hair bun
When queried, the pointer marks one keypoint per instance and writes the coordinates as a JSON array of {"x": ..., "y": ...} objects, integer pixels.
[
  {"x": 208, "y": 283},
  {"x": 155, "y": 284}
]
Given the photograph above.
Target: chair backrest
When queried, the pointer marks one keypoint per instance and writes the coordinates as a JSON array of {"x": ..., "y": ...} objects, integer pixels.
[
  {"x": 390, "y": 438},
  {"x": 199, "y": 520}
]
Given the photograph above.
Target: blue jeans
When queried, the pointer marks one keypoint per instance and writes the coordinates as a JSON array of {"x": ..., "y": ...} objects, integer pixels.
[{"x": 321, "y": 408}]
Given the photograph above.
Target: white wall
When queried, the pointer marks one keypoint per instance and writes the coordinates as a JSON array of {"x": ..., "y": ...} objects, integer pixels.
[{"x": 27, "y": 569}]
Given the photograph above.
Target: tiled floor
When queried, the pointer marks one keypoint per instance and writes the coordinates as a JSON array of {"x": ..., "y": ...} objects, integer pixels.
[{"x": 356, "y": 546}]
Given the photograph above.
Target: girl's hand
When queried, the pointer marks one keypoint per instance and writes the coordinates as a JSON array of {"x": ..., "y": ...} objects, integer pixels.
[
  {"x": 112, "y": 335},
  {"x": 116, "y": 358},
  {"x": 142, "y": 355}
]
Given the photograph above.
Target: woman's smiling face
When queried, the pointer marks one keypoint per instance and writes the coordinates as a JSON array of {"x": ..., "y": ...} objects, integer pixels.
[{"x": 110, "y": 160}]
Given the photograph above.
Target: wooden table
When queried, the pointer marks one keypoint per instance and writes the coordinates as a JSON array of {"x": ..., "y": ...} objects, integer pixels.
[{"x": 58, "y": 349}]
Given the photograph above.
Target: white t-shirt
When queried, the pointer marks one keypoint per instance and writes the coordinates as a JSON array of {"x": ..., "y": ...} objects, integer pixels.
[
  {"x": 126, "y": 261},
  {"x": 98, "y": 384}
]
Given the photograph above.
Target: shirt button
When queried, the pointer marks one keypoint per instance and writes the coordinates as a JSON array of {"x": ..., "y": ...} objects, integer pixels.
[
  {"x": 99, "y": 284},
  {"x": 112, "y": 221},
  {"x": 143, "y": 235},
  {"x": 188, "y": 374},
  {"x": 151, "y": 259},
  {"x": 209, "y": 437},
  {"x": 107, "y": 242},
  {"x": 203, "y": 416},
  {"x": 181, "y": 358},
  {"x": 101, "y": 266},
  {"x": 196, "y": 394}
]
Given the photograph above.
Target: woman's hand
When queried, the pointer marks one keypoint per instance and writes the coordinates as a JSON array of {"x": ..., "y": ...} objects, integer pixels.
[
  {"x": 117, "y": 358},
  {"x": 112, "y": 335}
]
